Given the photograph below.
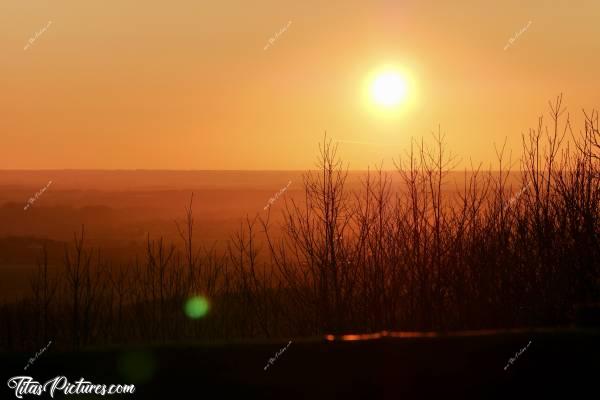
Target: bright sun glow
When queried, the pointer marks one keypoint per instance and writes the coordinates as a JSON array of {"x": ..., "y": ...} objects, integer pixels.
[{"x": 389, "y": 89}]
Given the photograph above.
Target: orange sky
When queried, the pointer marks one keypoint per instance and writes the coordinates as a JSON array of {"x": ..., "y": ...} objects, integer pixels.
[{"x": 188, "y": 84}]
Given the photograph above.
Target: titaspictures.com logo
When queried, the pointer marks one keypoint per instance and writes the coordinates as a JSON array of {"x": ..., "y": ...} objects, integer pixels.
[{"x": 24, "y": 385}]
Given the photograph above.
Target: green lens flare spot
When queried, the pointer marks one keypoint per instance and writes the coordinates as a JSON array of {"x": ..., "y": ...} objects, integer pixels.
[{"x": 196, "y": 307}]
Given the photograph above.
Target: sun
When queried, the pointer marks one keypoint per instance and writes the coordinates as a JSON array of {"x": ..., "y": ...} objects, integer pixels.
[{"x": 389, "y": 89}]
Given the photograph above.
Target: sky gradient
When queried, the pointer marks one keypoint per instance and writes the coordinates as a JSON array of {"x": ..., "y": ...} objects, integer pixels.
[{"x": 189, "y": 85}]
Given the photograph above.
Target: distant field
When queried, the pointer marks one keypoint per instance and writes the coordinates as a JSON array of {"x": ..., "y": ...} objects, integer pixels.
[{"x": 121, "y": 208}]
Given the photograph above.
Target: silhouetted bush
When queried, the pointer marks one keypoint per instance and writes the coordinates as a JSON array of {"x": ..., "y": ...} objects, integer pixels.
[{"x": 395, "y": 257}]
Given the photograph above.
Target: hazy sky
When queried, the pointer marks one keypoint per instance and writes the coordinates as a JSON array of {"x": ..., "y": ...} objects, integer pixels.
[{"x": 189, "y": 84}]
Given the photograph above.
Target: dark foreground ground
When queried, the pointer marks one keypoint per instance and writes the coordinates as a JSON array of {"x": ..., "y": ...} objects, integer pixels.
[{"x": 557, "y": 364}]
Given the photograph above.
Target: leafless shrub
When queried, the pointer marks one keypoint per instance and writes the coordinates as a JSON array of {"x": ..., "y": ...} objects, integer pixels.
[{"x": 391, "y": 256}]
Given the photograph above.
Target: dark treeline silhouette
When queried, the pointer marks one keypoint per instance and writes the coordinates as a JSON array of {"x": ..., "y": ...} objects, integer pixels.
[{"x": 379, "y": 259}]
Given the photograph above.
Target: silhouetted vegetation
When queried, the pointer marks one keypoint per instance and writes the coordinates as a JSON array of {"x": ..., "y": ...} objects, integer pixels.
[{"x": 406, "y": 258}]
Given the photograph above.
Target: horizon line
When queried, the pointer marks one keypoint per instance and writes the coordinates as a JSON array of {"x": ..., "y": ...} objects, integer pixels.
[{"x": 222, "y": 170}]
